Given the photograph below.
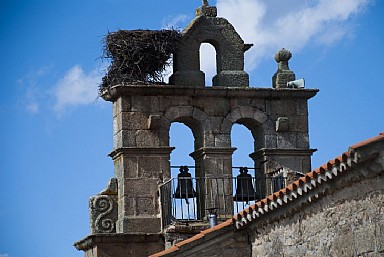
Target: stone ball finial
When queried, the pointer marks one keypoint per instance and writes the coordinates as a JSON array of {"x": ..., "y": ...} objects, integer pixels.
[
  {"x": 283, "y": 55},
  {"x": 283, "y": 73}
]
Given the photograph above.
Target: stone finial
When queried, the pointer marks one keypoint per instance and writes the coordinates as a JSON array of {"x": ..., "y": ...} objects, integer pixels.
[
  {"x": 206, "y": 10},
  {"x": 283, "y": 73},
  {"x": 282, "y": 57}
]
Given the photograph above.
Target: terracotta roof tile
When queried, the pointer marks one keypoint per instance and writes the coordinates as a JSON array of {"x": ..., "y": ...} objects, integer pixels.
[
  {"x": 340, "y": 163},
  {"x": 369, "y": 141}
]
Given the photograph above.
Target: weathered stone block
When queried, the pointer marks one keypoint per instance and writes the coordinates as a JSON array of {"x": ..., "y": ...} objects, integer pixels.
[
  {"x": 124, "y": 138},
  {"x": 259, "y": 104},
  {"x": 122, "y": 104},
  {"x": 286, "y": 140},
  {"x": 364, "y": 239},
  {"x": 147, "y": 138},
  {"x": 222, "y": 140},
  {"x": 298, "y": 124},
  {"x": 131, "y": 167},
  {"x": 145, "y": 104},
  {"x": 302, "y": 140},
  {"x": 128, "y": 206},
  {"x": 139, "y": 225},
  {"x": 141, "y": 187},
  {"x": 270, "y": 141},
  {"x": 151, "y": 166},
  {"x": 246, "y": 111},
  {"x": 132, "y": 121},
  {"x": 146, "y": 206}
]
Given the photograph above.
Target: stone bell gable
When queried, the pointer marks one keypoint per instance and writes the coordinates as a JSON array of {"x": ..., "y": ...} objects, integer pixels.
[
  {"x": 133, "y": 216},
  {"x": 230, "y": 48}
]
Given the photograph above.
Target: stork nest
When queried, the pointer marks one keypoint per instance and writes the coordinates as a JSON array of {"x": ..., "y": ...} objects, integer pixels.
[{"x": 138, "y": 55}]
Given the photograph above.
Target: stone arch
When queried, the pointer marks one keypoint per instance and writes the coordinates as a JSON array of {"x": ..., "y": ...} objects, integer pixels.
[
  {"x": 253, "y": 119},
  {"x": 190, "y": 116},
  {"x": 229, "y": 48}
]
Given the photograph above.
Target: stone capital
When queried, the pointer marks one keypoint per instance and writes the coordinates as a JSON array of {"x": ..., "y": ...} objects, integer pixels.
[
  {"x": 280, "y": 152},
  {"x": 221, "y": 151}
]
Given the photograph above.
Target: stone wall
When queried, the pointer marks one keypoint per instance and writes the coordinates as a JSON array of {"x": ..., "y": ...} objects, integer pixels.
[
  {"x": 348, "y": 222},
  {"x": 119, "y": 245}
]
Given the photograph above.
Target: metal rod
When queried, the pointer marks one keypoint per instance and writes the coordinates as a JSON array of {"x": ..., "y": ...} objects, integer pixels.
[
  {"x": 250, "y": 168},
  {"x": 194, "y": 167},
  {"x": 176, "y": 167}
]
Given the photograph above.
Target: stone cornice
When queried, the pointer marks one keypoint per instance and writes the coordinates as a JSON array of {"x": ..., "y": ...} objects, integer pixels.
[
  {"x": 116, "y": 238},
  {"x": 281, "y": 152},
  {"x": 140, "y": 150},
  {"x": 111, "y": 94}
]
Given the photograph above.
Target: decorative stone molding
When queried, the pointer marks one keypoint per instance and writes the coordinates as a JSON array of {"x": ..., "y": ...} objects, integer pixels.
[
  {"x": 282, "y": 124},
  {"x": 103, "y": 209}
]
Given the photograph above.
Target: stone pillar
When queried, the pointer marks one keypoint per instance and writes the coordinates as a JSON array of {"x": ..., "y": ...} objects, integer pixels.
[
  {"x": 283, "y": 73},
  {"x": 268, "y": 160},
  {"x": 215, "y": 164},
  {"x": 139, "y": 172}
]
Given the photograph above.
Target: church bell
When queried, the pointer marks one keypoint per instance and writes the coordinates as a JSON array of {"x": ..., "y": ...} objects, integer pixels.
[
  {"x": 184, "y": 189},
  {"x": 245, "y": 191}
]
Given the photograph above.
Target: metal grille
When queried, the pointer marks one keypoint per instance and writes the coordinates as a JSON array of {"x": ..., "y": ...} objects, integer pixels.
[{"x": 228, "y": 194}]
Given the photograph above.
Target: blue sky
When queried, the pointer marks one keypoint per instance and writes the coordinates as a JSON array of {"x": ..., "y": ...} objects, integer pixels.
[{"x": 55, "y": 133}]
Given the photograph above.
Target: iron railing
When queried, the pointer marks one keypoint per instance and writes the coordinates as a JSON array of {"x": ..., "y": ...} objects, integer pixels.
[{"x": 186, "y": 199}]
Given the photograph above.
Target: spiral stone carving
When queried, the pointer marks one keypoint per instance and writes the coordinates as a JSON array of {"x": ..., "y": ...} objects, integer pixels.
[
  {"x": 102, "y": 218},
  {"x": 104, "y": 205}
]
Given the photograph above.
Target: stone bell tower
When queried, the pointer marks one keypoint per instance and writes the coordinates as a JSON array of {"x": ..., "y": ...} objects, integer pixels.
[{"x": 126, "y": 218}]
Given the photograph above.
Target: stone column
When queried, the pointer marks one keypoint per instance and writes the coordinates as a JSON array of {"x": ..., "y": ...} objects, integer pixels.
[
  {"x": 215, "y": 164},
  {"x": 139, "y": 172},
  {"x": 268, "y": 160}
]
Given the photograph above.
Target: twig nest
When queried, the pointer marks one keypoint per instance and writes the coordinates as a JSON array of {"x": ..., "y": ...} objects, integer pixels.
[{"x": 138, "y": 55}]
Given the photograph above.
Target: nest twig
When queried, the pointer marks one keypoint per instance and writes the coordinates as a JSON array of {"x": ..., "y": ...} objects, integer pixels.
[{"x": 138, "y": 55}]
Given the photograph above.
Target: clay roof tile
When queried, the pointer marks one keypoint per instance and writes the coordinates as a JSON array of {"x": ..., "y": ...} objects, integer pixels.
[{"x": 369, "y": 141}]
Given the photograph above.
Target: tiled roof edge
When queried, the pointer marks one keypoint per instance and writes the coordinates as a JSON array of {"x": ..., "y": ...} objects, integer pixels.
[{"x": 311, "y": 180}]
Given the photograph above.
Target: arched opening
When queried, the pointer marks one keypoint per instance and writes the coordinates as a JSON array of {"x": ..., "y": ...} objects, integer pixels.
[
  {"x": 208, "y": 62},
  {"x": 182, "y": 139},
  {"x": 242, "y": 139},
  {"x": 245, "y": 190},
  {"x": 183, "y": 188}
]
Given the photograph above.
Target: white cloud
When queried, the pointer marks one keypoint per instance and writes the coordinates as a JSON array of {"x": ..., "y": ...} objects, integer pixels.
[
  {"x": 76, "y": 88},
  {"x": 4, "y": 255},
  {"x": 175, "y": 22},
  {"x": 274, "y": 24},
  {"x": 32, "y": 83},
  {"x": 32, "y": 107}
]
